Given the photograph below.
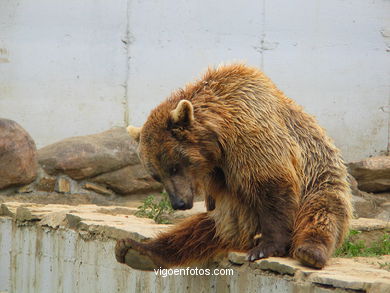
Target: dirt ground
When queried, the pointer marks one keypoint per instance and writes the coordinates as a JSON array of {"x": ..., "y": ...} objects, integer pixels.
[{"x": 379, "y": 262}]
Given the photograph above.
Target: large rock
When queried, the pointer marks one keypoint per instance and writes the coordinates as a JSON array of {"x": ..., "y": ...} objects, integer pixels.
[
  {"x": 364, "y": 208},
  {"x": 372, "y": 174},
  {"x": 87, "y": 156},
  {"x": 354, "y": 185},
  {"x": 369, "y": 205},
  {"x": 18, "y": 155},
  {"x": 131, "y": 179}
]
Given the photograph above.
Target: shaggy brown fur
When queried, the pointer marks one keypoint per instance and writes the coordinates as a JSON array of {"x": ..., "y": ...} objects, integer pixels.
[{"x": 264, "y": 166}]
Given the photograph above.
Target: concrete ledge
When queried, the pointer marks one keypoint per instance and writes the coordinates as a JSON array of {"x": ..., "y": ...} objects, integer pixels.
[{"x": 59, "y": 248}]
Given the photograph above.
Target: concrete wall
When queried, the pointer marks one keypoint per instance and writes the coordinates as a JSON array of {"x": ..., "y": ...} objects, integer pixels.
[
  {"x": 62, "y": 248},
  {"x": 63, "y": 66},
  {"x": 40, "y": 259},
  {"x": 36, "y": 258},
  {"x": 73, "y": 68}
]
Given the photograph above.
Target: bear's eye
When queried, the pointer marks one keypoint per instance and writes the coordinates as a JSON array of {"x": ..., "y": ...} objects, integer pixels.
[
  {"x": 156, "y": 177},
  {"x": 174, "y": 170}
]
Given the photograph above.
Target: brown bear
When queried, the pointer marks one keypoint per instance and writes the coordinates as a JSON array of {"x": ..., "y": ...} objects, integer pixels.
[{"x": 274, "y": 183}]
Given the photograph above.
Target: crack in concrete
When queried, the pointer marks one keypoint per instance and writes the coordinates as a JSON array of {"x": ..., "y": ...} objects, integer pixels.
[{"x": 126, "y": 42}]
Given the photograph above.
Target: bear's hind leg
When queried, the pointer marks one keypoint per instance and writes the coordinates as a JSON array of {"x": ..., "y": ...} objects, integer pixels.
[
  {"x": 321, "y": 225},
  {"x": 192, "y": 241}
]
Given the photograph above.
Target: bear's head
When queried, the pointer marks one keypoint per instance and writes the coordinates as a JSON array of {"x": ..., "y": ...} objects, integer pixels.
[{"x": 178, "y": 149}]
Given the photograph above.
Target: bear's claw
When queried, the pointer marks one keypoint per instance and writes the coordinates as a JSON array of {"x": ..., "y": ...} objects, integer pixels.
[
  {"x": 311, "y": 255},
  {"x": 129, "y": 252},
  {"x": 266, "y": 249}
]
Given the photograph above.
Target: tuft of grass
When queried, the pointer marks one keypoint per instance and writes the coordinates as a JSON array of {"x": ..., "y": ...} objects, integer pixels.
[
  {"x": 158, "y": 210},
  {"x": 354, "y": 248},
  {"x": 381, "y": 247}
]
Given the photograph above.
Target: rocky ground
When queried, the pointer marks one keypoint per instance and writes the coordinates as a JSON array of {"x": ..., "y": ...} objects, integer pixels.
[{"x": 105, "y": 163}]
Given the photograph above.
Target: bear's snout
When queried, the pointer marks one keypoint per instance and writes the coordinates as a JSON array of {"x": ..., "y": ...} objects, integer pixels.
[{"x": 179, "y": 205}]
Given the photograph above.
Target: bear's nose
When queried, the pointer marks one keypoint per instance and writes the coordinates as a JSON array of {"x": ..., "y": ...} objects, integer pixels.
[{"x": 178, "y": 205}]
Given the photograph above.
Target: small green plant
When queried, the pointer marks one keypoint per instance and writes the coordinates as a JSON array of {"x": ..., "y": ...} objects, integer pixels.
[
  {"x": 381, "y": 247},
  {"x": 158, "y": 210},
  {"x": 353, "y": 248}
]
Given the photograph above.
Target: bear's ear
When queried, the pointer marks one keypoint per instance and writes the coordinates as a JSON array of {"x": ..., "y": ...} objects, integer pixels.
[
  {"x": 183, "y": 115},
  {"x": 134, "y": 132}
]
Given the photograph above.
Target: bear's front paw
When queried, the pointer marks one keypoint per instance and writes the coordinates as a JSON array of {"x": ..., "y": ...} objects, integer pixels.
[
  {"x": 266, "y": 249},
  {"x": 131, "y": 252},
  {"x": 121, "y": 248},
  {"x": 311, "y": 255}
]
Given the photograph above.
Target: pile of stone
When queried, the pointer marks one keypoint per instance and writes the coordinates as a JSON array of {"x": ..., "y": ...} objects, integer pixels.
[
  {"x": 104, "y": 163},
  {"x": 370, "y": 182}
]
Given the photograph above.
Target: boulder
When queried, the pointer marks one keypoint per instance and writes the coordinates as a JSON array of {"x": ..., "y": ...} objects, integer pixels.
[
  {"x": 372, "y": 174},
  {"x": 63, "y": 185},
  {"x": 18, "y": 155},
  {"x": 46, "y": 183},
  {"x": 364, "y": 208},
  {"x": 354, "y": 185},
  {"x": 97, "y": 188},
  {"x": 88, "y": 156},
  {"x": 130, "y": 179}
]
